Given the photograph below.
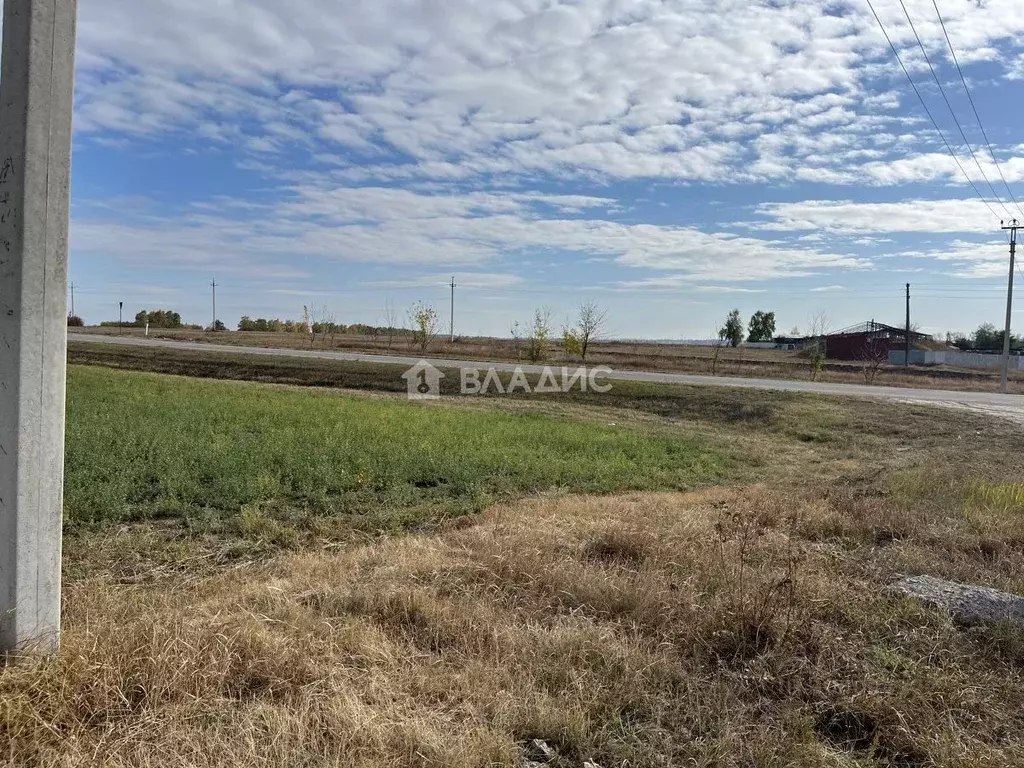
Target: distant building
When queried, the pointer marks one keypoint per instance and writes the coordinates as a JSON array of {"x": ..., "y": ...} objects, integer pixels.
[
  {"x": 792, "y": 342},
  {"x": 871, "y": 338}
]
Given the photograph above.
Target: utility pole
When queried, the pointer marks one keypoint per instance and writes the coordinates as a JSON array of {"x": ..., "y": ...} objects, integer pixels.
[
  {"x": 120, "y": 316},
  {"x": 72, "y": 299},
  {"x": 36, "y": 83},
  {"x": 906, "y": 363},
  {"x": 1009, "y": 301},
  {"x": 451, "y": 338},
  {"x": 213, "y": 285}
]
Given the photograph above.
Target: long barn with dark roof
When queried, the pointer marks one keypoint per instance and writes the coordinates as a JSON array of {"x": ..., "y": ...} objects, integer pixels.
[{"x": 867, "y": 339}]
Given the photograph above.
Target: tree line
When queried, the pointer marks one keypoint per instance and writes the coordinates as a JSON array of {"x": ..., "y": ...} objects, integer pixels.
[
  {"x": 154, "y": 318},
  {"x": 532, "y": 338},
  {"x": 986, "y": 338},
  {"x": 276, "y": 325},
  {"x": 761, "y": 328}
]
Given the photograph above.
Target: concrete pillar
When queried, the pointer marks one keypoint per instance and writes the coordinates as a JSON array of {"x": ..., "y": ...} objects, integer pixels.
[{"x": 36, "y": 83}]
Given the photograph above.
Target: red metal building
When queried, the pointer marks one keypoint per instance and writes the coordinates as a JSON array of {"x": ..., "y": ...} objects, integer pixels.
[{"x": 859, "y": 342}]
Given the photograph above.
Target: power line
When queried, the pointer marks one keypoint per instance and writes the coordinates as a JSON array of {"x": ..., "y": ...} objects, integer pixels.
[
  {"x": 964, "y": 296},
  {"x": 973, "y": 107},
  {"x": 949, "y": 106},
  {"x": 928, "y": 111},
  {"x": 962, "y": 288},
  {"x": 957, "y": 297}
]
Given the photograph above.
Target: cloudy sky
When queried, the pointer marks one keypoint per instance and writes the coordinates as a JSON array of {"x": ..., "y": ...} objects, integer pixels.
[{"x": 669, "y": 159}]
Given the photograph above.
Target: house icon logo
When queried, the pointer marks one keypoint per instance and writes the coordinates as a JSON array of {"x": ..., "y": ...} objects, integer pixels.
[{"x": 423, "y": 381}]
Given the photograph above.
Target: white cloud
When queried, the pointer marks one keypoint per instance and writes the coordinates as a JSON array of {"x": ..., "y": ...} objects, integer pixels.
[
  {"x": 941, "y": 167},
  {"x": 968, "y": 259},
  {"x": 620, "y": 89},
  {"x": 1015, "y": 70},
  {"x": 682, "y": 283},
  {"x": 402, "y": 133},
  {"x": 379, "y": 225},
  {"x": 849, "y": 217},
  {"x": 463, "y": 281}
]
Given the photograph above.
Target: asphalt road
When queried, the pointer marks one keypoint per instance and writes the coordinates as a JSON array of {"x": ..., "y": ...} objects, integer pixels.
[{"x": 992, "y": 403}]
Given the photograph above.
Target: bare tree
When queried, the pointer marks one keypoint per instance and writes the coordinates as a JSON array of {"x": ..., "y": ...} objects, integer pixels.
[
  {"x": 516, "y": 330},
  {"x": 817, "y": 325},
  {"x": 720, "y": 342},
  {"x": 589, "y": 326},
  {"x": 874, "y": 355},
  {"x": 319, "y": 320},
  {"x": 330, "y": 323},
  {"x": 390, "y": 320}
]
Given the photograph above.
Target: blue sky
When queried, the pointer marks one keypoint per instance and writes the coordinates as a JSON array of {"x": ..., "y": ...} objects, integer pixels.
[{"x": 669, "y": 160}]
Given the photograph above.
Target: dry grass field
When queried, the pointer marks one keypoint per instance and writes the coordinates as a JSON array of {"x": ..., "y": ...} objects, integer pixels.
[
  {"x": 735, "y": 615},
  {"x": 639, "y": 355}
]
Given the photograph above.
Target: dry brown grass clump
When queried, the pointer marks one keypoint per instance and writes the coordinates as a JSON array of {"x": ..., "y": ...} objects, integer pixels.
[{"x": 717, "y": 628}]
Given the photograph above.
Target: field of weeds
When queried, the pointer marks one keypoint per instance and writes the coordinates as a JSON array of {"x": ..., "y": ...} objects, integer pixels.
[{"x": 701, "y": 582}]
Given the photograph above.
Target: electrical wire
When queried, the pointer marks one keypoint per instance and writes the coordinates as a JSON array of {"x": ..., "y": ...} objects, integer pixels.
[
  {"x": 928, "y": 111},
  {"x": 973, "y": 107},
  {"x": 949, "y": 106},
  {"x": 962, "y": 297},
  {"x": 860, "y": 291}
]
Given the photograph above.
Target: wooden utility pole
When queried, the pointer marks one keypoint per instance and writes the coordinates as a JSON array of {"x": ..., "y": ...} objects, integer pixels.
[
  {"x": 1012, "y": 228},
  {"x": 213, "y": 286},
  {"x": 36, "y": 83}
]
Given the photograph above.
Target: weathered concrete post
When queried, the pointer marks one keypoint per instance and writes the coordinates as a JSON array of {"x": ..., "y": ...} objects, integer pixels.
[{"x": 36, "y": 84}]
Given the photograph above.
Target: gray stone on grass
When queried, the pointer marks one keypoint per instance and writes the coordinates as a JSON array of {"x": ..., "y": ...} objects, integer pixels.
[
  {"x": 967, "y": 604},
  {"x": 539, "y": 752}
]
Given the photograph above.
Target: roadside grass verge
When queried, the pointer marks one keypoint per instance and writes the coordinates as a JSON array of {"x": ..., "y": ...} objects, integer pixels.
[
  {"x": 261, "y": 575},
  {"x": 143, "y": 446},
  {"x": 280, "y": 368},
  {"x": 809, "y": 418},
  {"x": 720, "y": 627}
]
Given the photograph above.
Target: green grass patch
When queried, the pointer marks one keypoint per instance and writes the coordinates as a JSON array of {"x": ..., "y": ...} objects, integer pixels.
[
  {"x": 141, "y": 446},
  {"x": 999, "y": 498}
]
